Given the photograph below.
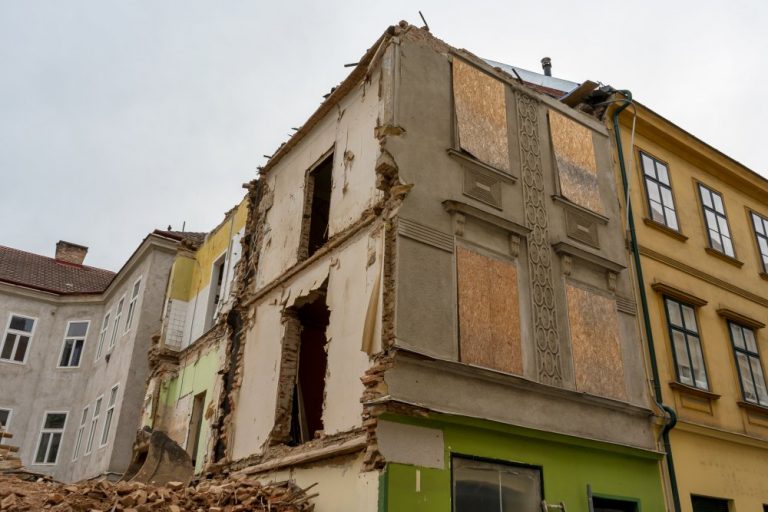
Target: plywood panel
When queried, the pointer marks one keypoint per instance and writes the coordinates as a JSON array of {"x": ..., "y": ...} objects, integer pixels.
[
  {"x": 481, "y": 114},
  {"x": 489, "y": 312},
  {"x": 595, "y": 340},
  {"x": 576, "y": 165}
]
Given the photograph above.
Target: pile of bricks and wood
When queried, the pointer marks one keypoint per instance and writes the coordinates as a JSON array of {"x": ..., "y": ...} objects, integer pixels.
[
  {"x": 9, "y": 458},
  {"x": 217, "y": 495}
]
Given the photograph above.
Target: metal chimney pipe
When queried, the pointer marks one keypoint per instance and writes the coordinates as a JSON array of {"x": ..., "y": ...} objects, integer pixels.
[{"x": 546, "y": 64}]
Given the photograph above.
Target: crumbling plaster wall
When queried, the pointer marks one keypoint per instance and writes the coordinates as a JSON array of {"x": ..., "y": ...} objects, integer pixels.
[
  {"x": 426, "y": 315},
  {"x": 352, "y": 268}
]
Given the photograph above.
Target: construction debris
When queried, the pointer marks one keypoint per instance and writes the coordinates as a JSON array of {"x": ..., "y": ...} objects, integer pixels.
[
  {"x": 218, "y": 495},
  {"x": 9, "y": 458}
]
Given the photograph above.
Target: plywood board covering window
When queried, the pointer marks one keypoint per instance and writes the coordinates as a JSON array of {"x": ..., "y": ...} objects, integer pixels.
[
  {"x": 597, "y": 359},
  {"x": 489, "y": 312},
  {"x": 576, "y": 165},
  {"x": 481, "y": 115}
]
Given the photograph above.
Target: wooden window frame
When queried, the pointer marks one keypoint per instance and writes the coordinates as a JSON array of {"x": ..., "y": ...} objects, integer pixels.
[
  {"x": 654, "y": 178},
  {"x": 701, "y": 188},
  {"x": 754, "y": 217},
  {"x": 750, "y": 355},
  {"x": 687, "y": 334}
]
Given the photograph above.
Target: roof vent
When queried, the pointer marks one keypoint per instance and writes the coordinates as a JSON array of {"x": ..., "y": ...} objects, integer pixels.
[
  {"x": 70, "y": 253},
  {"x": 546, "y": 65}
]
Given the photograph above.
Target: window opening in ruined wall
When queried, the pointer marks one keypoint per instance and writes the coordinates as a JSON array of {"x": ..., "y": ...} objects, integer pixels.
[
  {"x": 301, "y": 388},
  {"x": 195, "y": 426},
  {"x": 317, "y": 207},
  {"x": 214, "y": 294}
]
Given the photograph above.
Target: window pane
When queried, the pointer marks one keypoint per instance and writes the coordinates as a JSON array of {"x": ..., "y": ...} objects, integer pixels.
[
  {"x": 653, "y": 192},
  {"x": 737, "y": 335},
  {"x": 54, "y": 450},
  {"x": 673, "y": 308},
  {"x": 749, "y": 337},
  {"x": 681, "y": 353},
  {"x": 42, "y": 448},
  {"x": 757, "y": 221},
  {"x": 4, "y": 415},
  {"x": 136, "y": 289},
  {"x": 492, "y": 487},
  {"x": 690, "y": 318},
  {"x": 8, "y": 346},
  {"x": 714, "y": 240},
  {"x": 657, "y": 212},
  {"x": 759, "y": 378},
  {"x": 112, "y": 397},
  {"x": 85, "y": 416},
  {"x": 705, "y": 196},
  {"x": 66, "y": 353},
  {"x": 661, "y": 170},
  {"x": 746, "y": 377},
  {"x": 21, "y": 349},
  {"x": 520, "y": 489},
  {"x": 97, "y": 408},
  {"x": 55, "y": 420},
  {"x": 728, "y": 246},
  {"x": 648, "y": 166},
  {"x": 666, "y": 197},
  {"x": 22, "y": 324},
  {"x": 77, "y": 329},
  {"x": 722, "y": 224},
  {"x": 718, "y": 203},
  {"x": 77, "y": 352},
  {"x": 763, "y": 245},
  {"x": 671, "y": 218},
  {"x": 711, "y": 220},
  {"x": 699, "y": 373}
]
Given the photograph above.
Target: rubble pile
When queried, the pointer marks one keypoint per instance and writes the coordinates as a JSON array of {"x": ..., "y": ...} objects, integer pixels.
[
  {"x": 8, "y": 457},
  {"x": 19, "y": 493}
]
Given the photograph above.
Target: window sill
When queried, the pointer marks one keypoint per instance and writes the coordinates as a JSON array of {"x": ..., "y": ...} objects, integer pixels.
[
  {"x": 690, "y": 390},
  {"x": 749, "y": 406},
  {"x": 665, "y": 229},
  {"x": 728, "y": 259},
  {"x": 469, "y": 159}
]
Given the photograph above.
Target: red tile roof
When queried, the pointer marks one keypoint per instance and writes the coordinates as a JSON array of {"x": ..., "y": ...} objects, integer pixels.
[{"x": 47, "y": 274}]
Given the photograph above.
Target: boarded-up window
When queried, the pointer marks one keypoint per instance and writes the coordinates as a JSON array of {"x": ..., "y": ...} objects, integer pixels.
[
  {"x": 576, "y": 165},
  {"x": 489, "y": 317},
  {"x": 595, "y": 339},
  {"x": 481, "y": 114}
]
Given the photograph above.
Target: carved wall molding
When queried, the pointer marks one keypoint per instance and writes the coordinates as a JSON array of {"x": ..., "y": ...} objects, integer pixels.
[{"x": 545, "y": 333}]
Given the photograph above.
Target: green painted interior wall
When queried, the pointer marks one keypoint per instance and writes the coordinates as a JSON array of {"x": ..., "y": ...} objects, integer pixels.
[
  {"x": 568, "y": 465},
  {"x": 193, "y": 379}
]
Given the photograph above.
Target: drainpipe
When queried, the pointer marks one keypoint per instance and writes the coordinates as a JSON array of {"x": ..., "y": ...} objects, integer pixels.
[{"x": 644, "y": 302}]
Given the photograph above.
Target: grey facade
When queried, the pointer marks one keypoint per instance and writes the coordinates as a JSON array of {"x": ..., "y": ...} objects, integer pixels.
[{"x": 40, "y": 385}]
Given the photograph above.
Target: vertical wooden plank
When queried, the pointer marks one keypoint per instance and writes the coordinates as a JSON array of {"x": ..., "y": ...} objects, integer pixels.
[{"x": 489, "y": 312}]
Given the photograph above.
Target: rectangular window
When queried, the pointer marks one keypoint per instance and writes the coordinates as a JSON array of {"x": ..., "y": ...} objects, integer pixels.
[
  {"x": 50, "y": 438},
  {"x": 760, "y": 224},
  {"x": 748, "y": 363},
  {"x": 717, "y": 224},
  {"x": 118, "y": 314},
  {"x": 74, "y": 341},
  {"x": 317, "y": 208},
  {"x": 132, "y": 304},
  {"x": 480, "y": 486},
  {"x": 705, "y": 504},
  {"x": 108, "y": 418},
  {"x": 94, "y": 422},
  {"x": 18, "y": 334},
  {"x": 686, "y": 344},
  {"x": 5, "y": 418},
  {"x": 613, "y": 505},
  {"x": 103, "y": 335},
  {"x": 661, "y": 205},
  {"x": 80, "y": 432}
]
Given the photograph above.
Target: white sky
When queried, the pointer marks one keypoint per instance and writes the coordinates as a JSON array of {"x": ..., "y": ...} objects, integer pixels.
[{"x": 118, "y": 117}]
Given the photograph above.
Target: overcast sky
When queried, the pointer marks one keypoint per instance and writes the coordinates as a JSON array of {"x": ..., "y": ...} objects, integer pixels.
[{"x": 118, "y": 117}]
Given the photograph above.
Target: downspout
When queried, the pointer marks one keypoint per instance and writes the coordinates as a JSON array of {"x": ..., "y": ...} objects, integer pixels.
[{"x": 644, "y": 302}]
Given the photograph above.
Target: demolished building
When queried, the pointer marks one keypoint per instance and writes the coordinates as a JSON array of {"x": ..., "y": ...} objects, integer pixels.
[{"x": 433, "y": 307}]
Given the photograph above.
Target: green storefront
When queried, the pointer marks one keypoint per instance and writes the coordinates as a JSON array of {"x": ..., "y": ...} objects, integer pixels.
[{"x": 491, "y": 466}]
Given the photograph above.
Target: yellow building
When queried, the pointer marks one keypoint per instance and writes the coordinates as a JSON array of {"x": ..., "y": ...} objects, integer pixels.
[{"x": 701, "y": 224}]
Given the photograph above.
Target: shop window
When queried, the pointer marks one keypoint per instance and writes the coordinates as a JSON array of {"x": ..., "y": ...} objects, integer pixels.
[
  {"x": 658, "y": 188},
  {"x": 706, "y": 504},
  {"x": 718, "y": 232},
  {"x": 483, "y": 486},
  {"x": 686, "y": 344}
]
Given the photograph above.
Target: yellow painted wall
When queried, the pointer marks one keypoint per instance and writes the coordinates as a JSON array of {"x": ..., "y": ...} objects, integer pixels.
[
  {"x": 708, "y": 462},
  {"x": 181, "y": 277}
]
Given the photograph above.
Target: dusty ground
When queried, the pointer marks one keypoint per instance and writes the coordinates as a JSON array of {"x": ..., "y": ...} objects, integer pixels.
[{"x": 19, "y": 492}]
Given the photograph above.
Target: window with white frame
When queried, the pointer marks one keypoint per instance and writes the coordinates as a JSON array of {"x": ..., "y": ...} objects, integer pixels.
[
  {"x": 661, "y": 204},
  {"x": 718, "y": 233},
  {"x": 103, "y": 335},
  {"x": 80, "y": 432},
  {"x": 108, "y": 417},
  {"x": 132, "y": 304},
  {"x": 18, "y": 334},
  {"x": 5, "y": 418},
  {"x": 74, "y": 341},
  {"x": 49, "y": 445},
  {"x": 118, "y": 314},
  {"x": 94, "y": 422},
  {"x": 760, "y": 224},
  {"x": 686, "y": 344},
  {"x": 748, "y": 363}
]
